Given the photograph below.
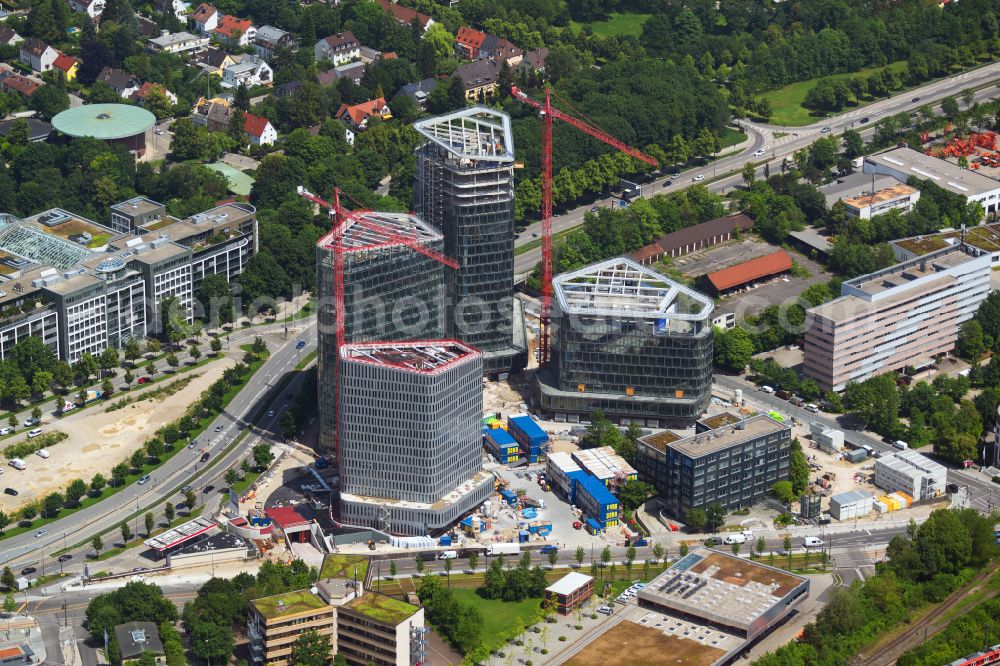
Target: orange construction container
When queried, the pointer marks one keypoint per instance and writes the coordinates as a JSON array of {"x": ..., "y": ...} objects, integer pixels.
[{"x": 906, "y": 498}]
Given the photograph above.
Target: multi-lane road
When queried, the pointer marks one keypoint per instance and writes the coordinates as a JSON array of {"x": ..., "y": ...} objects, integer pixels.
[
  {"x": 246, "y": 410},
  {"x": 763, "y": 137}
]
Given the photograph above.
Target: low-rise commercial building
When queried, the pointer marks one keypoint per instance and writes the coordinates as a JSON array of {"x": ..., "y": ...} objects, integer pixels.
[
  {"x": 912, "y": 473},
  {"x": 694, "y": 238},
  {"x": 570, "y": 592},
  {"x": 717, "y": 603},
  {"x": 734, "y": 466},
  {"x": 902, "y": 315},
  {"x": 895, "y": 197},
  {"x": 275, "y": 623},
  {"x": 904, "y": 163}
]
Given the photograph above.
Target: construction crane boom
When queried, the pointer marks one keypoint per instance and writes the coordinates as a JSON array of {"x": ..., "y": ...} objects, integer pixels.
[{"x": 548, "y": 113}]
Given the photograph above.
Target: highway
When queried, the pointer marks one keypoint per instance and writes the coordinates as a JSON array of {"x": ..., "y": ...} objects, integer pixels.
[
  {"x": 762, "y": 137},
  {"x": 176, "y": 472}
]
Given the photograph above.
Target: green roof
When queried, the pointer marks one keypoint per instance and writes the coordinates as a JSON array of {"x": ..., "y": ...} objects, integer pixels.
[
  {"x": 239, "y": 182},
  {"x": 104, "y": 121},
  {"x": 381, "y": 608},
  {"x": 343, "y": 566},
  {"x": 291, "y": 603}
]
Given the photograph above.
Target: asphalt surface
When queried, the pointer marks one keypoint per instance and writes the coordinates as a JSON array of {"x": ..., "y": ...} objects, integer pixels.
[
  {"x": 762, "y": 137},
  {"x": 259, "y": 394}
]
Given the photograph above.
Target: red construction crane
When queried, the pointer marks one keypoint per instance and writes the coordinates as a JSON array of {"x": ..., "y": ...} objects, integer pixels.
[
  {"x": 548, "y": 112},
  {"x": 342, "y": 219}
]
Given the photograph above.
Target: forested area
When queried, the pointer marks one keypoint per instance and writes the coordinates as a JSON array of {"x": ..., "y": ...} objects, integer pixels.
[{"x": 922, "y": 567}]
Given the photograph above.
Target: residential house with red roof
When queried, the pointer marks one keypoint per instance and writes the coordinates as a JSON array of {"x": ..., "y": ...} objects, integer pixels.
[
  {"x": 148, "y": 87},
  {"x": 37, "y": 55},
  {"x": 356, "y": 116},
  {"x": 11, "y": 81},
  {"x": 259, "y": 130},
  {"x": 204, "y": 19},
  {"x": 338, "y": 49},
  {"x": 68, "y": 65},
  {"x": 235, "y": 31},
  {"x": 468, "y": 42},
  {"x": 405, "y": 15}
]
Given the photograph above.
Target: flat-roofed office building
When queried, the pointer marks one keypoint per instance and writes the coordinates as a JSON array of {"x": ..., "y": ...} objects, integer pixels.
[{"x": 902, "y": 315}]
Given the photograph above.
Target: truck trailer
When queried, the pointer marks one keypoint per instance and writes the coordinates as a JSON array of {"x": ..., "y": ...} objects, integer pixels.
[{"x": 503, "y": 549}]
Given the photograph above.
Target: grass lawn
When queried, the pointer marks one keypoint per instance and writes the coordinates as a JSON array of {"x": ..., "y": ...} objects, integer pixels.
[
  {"x": 498, "y": 616},
  {"x": 731, "y": 137},
  {"x": 617, "y": 23},
  {"x": 786, "y": 102}
]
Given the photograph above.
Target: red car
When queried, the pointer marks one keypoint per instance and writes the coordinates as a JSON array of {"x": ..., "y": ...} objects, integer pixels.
[
  {"x": 577, "y": 525},
  {"x": 144, "y": 380}
]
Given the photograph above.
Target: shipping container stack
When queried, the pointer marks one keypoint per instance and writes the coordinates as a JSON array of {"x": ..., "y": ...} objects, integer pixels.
[
  {"x": 533, "y": 440},
  {"x": 557, "y": 470},
  {"x": 501, "y": 445},
  {"x": 597, "y": 503}
]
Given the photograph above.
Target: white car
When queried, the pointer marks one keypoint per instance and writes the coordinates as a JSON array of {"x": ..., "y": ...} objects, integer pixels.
[
  {"x": 700, "y": 177},
  {"x": 6, "y": 431},
  {"x": 825, "y": 130},
  {"x": 759, "y": 153},
  {"x": 34, "y": 433},
  {"x": 30, "y": 421}
]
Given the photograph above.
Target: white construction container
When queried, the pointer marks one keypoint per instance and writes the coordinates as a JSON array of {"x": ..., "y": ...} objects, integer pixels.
[{"x": 851, "y": 504}]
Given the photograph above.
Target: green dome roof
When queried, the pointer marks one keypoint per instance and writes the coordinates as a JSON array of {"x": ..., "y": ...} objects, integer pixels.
[{"x": 104, "y": 121}]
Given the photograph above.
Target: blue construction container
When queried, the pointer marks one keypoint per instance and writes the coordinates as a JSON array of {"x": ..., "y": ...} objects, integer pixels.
[
  {"x": 597, "y": 502},
  {"x": 522, "y": 536},
  {"x": 575, "y": 478},
  {"x": 509, "y": 496},
  {"x": 533, "y": 440},
  {"x": 501, "y": 445},
  {"x": 445, "y": 540}
]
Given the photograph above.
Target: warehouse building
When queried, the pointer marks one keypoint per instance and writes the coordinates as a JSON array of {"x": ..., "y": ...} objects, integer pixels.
[
  {"x": 465, "y": 188},
  {"x": 716, "y": 604},
  {"x": 912, "y": 473},
  {"x": 749, "y": 273},
  {"x": 904, "y": 163},
  {"x": 694, "y": 238},
  {"x": 391, "y": 292},
  {"x": 902, "y": 315},
  {"x": 630, "y": 342},
  {"x": 851, "y": 504},
  {"x": 410, "y": 435},
  {"x": 734, "y": 466}
]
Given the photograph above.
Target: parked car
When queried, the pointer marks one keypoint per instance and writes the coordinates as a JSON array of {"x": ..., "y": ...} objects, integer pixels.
[
  {"x": 577, "y": 525},
  {"x": 9, "y": 491},
  {"x": 184, "y": 489},
  {"x": 810, "y": 407},
  {"x": 812, "y": 542},
  {"x": 27, "y": 571},
  {"x": 605, "y": 610},
  {"x": 30, "y": 421},
  {"x": 145, "y": 380},
  {"x": 6, "y": 430},
  {"x": 180, "y": 506},
  {"x": 766, "y": 389},
  {"x": 713, "y": 541},
  {"x": 41, "y": 533},
  {"x": 208, "y": 489},
  {"x": 144, "y": 480},
  {"x": 34, "y": 433}
]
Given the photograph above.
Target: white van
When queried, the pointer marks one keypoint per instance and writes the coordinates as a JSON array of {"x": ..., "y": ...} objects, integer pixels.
[
  {"x": 34, "y": 433},
  {"x": 812, "y": 542},
  {"x": 730, "y": 539},
  {"x": 767, "y": 389},
  {"x": 42, "y": 453},
  {"x": 448, "y": 555},
  {"x": 812, "y": 407},
  {"x": 17, "y": 463},
  {"x": 901, "y": 445}
]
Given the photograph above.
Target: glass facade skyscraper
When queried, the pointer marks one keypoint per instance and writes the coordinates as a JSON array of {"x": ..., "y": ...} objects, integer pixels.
[
  {"x": 630, "y": 342},
  {"x": 465, "y": 187}
]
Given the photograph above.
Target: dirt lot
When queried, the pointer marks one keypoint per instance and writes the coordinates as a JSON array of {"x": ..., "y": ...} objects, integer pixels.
[
  {"x": 631, "y": 643},
  {"x": 98, "y": 439}
]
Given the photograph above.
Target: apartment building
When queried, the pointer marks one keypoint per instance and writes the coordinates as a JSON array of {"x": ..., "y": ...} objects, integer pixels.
[
  {"x": 902, "y": 315},
  {"x": 912, "y": 473},
  {"x": 275, "y": 623},
  {"x": 83, "y": 286},
  {"x": 735, "y": 465}
]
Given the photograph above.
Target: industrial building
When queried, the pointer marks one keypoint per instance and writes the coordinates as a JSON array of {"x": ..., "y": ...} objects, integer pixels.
[
  {"x": 734, "y": 466},
  {"x": 719, "y": 603},
  {"x": 630, "y": 342},
  {"x": 570, "y": 592},
  {"x": 904, "y": 163},
  {"x": 871, "y": 204},
  {"x": 391, "y": 293},
  {"x": 410, "y": 435},
  {"x": 82, "y": 286},
  {"x": 465, "y": 188},
  {"x": 902, "y": 315},
  {"x": 605, "y": 465},
  {"x": 912, "y": 473},
  {"x": 851, "y": 504}
]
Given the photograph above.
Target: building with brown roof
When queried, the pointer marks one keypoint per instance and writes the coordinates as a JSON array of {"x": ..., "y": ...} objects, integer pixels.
[
  {"x": 468, "y": 42},
  {"x": 533, "y": 61},
  {"x": 205, "y": 18},
  {"x": 896, "y": 197},
  {"x": 9, "y": 36},
  {"x": 120, "y": 81},
  {"x": 761, "y": 268},
  {"x": 405, "y": 15},
  {"x": 691, "y": 239},
  {"x": 11, "y": 81},
  {"x": 340, "y": 48},
  {"x": 356, "y": 116},
  {"x": 479, "y": 78},
  {"x": 37, "y": 55}
]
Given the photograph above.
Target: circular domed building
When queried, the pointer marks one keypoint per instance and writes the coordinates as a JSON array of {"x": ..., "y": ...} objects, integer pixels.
[{"x": 115, "y": 123}]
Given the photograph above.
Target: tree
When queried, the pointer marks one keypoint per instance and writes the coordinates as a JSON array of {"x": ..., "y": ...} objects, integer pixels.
[
  {"x": 129, "y": 378},
  {"x": 579, "y": 555},
  {"x": 473, "y": 561},
  {"x": 782, "y": 491},
  {"x": 695, "y": 519},
  {"x": 875, "y": 402},
  {"x": 854, "y": 145},
  {"x": 191, "y": 499},
  {"x": 7, "y": 579},
  {"x": 311, "y": 649},
  {"x": 138, "y": 459},
  {"x": 733, "y": 349},
  {"x": 118, "y": 473},
  {"x": 29, "y": 511},
  {"x": 287, "y": 425},
  {"x": 949, "y": 106},
  {"x": 749, "y": 173},
  {"x": 49, "y": 101},
  {"x": 232, "y": 476},
  {"x": 262, "y": 456},
  {"x": 553, "y": 558},
  {"x": 761, "y": 546},
  {"x": 52, "y": 504},
  {"x": 108, "y": 360},
  {"x": 606, "y": 556},
  {"x": 799, "y": 469},
  {"x": 36, "y": 413},
  {"x": 736, "y": 549},
  {"x": 173, "y": 361},
  {"x": 715, "y": 516},
  {"x": 97, "y": 544},
  {"x": 75, "y": 491},
  {"x": 971, "y": 344},
  {"x": 4, "y": 521},
  {"x": 632, "y": 494},
  {"x": 149, "y": 520},
  {"x": 420, "y": 565},
  {"x": 106, "y": 389},
  {"x": 97, "y": 484},
  {"x": 126, "y": 532},
  {"x": 216, "y": 346},
  {"x": 169, "y": 512},
  {"x": 9, "y": 605},
  {"x": 787, "y": 546},
  {"x": 447, "y": 570},
  {"x": 658, "y": 551},
  {"x": 40, "y": 383}
]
